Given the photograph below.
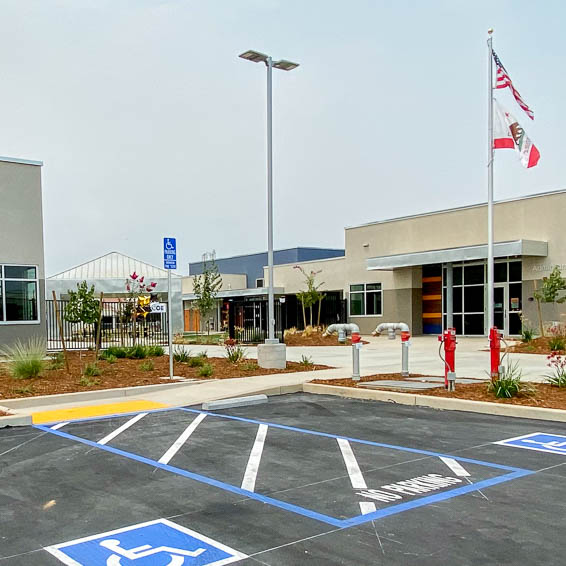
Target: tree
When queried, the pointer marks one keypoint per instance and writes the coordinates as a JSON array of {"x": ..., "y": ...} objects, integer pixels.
[
  {"x": 312, "y": 295},
  {"x": 552, "y": 286},
  {"x": 206, "y": 287},
  {"x": 84, "y": 307},
  {"x": 137, "y": 289}
]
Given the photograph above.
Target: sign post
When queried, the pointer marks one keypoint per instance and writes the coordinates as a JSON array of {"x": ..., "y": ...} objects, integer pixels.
[{"x": 169, "y": 263}]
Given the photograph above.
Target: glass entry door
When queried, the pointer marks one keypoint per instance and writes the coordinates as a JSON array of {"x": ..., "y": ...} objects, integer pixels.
[{"x": 500, "y": 301}]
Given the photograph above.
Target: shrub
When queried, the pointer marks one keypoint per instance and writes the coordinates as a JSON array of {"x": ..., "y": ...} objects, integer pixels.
[
  {"x": 234, "y": 352},
  {"x": 148, "y": 365},
  {"x": 25, "y": 359},
  {"x": 249, "y": 366},
  {"x": 527, "y": 334},
  {"x": 137, "y": 352},
  {"x": 558, "y": 365},
  {"x": 306, "y": 361},
  {"x": 181, "y": 355},
  {"x": 57, "y": 361},
  {"x": 202, "y": 354},
  {"x": 116, "y": 351},
  {"x": 206, "y": 370},
  {"x": 111, "y": 359},
  {"x": 196, "y": 361},
  {"x": 155, "y": 351},
  {"x": 556, "y": 343},
  {"x": 91, "y": 370},
  {"x": 509, "y": 384}
]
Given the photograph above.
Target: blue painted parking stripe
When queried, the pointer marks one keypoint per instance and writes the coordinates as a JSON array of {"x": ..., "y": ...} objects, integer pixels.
[
  {"x": 430, "y": 499},
  {"x": 202, "y": 479},
  {"x": 360, "y": 441}
]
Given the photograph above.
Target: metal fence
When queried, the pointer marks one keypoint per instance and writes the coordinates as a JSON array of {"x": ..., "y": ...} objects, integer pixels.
[
  {"x": 117, "y": 328},
  {"x": 248, "y": 321}
]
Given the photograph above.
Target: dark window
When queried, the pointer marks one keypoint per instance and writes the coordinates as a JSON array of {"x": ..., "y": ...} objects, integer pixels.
[
  {"x": 356, "y": 304},
  {"x": 373, "y": 299},
  {"x": 355, "y": 288},
  {"x": 456, "y": 299},
  {"x": 457, "y": 276},
  {"x": 19, "y": 272},
  {"x": 473, "y": 298},
  {"x": 473, "y": 324},
  {"x": 515, "y": 296},
  {"x": 21, "y": 300},
  {"x": 473, "y": 274},
  {"x": 515, "y": 271},
  {"x": 500, "y": 272},
  {"x": 259, "y": 283}
]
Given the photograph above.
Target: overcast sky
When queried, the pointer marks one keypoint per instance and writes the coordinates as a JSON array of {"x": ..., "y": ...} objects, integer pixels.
[{"x": 149, "y": 125}]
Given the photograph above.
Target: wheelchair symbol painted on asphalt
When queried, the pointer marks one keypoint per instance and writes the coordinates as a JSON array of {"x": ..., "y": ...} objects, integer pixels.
[
  {"x": 156, "y": 543},
  {"x": 539, "y": 441}
]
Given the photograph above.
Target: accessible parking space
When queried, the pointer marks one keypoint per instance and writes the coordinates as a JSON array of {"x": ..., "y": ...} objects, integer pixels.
[{"x": 301, "y": 479}]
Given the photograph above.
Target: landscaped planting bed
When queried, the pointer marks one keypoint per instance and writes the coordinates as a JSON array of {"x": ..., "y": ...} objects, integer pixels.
[
  {"x": 124, "y": 372},
  {"x": 544, "y": 395},
  {"x": 535, "y": 346}
]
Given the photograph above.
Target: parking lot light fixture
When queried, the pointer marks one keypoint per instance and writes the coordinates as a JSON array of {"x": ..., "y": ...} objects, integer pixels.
[{"x": 284, "y": 65}]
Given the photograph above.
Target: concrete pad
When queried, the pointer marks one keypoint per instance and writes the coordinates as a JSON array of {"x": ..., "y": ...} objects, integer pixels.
[
  {"x": 393, "y": 384},
  {"x": 234, "y": 402}
]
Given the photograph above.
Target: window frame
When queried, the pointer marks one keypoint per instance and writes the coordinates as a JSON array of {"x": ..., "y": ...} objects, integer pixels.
[
  {"x": 3, "y": 321},
  {"x": 364, "y": 294}
]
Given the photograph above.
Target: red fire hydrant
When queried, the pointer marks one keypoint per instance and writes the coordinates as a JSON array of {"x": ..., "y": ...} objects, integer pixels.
[
  {"x": 448, "y": 338},
  {"x": 495, "y": 336}
]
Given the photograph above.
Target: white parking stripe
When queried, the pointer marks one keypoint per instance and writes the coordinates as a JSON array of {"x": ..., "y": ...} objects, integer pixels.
[
  {"x": 59, "y": 425},
  {"x": 367, "y": 507},
  {"x": 175, "y": 447},
  {"x": 354, "y": 471},
  {"x": 455, "y": 466},
  {"x": 122, "y": 428},
  {"x": 255, "y": 457}
]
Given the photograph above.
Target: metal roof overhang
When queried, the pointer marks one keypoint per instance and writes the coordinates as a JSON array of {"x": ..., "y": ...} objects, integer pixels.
[
  {"x": 234, "y": 293},
  {"x": 450, "y": 255}
]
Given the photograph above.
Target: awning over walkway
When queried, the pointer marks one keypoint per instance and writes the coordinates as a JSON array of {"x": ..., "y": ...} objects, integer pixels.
[
  {"x": 467, "y": 253},
  {"x": 237, "y": 293}
]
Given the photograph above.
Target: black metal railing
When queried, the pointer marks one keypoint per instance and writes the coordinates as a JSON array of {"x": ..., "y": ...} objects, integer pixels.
[{"x": 117, "y": 328}]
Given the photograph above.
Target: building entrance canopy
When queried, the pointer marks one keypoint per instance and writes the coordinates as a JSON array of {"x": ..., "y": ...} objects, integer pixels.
[{"x": 450, "y": 255}]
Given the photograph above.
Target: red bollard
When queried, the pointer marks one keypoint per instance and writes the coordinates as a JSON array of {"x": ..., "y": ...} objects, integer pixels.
[
  {"x": 449, "y": 340},
  {"x": 495, "y": 351}
]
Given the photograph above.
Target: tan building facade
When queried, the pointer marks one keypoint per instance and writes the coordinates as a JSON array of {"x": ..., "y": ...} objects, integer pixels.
[{"x": 396, "y": 270}]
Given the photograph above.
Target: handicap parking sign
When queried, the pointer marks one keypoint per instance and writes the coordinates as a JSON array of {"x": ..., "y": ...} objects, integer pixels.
[
  {"x": 155, "y": 543},
  {"x": 540, "y": 441}
]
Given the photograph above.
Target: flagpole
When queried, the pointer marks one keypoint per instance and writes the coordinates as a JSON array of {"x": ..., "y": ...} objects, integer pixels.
[{"x": 490, "y": 275}]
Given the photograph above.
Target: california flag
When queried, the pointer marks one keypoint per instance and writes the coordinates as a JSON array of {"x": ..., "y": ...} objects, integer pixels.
[{"x": 508, "y": 134}]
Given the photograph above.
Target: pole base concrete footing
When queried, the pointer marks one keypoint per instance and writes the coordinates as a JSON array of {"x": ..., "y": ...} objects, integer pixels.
[{"x": 272, "y": 356}]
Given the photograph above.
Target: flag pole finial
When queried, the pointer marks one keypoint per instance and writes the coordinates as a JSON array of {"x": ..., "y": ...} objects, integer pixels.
[{"x": 490, "y": 31}]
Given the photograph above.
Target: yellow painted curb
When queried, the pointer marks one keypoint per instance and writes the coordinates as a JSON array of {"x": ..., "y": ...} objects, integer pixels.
[{"x": 74, "y": 413}]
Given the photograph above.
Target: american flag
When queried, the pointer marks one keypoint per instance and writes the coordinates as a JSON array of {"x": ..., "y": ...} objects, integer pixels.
[{"x": 503, "y": 80}]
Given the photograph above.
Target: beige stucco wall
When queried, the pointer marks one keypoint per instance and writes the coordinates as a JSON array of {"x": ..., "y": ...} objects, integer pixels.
[
  {"x": 332, "y": 274},
  {"x": 229, "y": 281}
]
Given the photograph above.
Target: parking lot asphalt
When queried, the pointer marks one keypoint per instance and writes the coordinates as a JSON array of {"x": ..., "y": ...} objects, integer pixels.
[{"x": 302, "y": 479}]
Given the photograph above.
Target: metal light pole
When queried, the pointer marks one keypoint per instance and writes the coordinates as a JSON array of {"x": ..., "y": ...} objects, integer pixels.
[
  {"x": 284, "y": 65},
  {"x": 490, "y": 273}
]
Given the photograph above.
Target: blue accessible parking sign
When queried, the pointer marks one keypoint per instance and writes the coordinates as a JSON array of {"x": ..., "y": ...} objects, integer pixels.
[
  {"x": 156, "y": 543},
  {"x": 170, "y": 253},
  {"x": 540, "y": 441}
]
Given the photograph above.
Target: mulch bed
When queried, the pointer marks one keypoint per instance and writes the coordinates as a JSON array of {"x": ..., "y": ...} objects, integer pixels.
[
  {"x": 545, "y": 395},
  {"x": 127, "y": 373},
  {"x": 316, "y": 340},
  {"x": 534, "y": 346}
]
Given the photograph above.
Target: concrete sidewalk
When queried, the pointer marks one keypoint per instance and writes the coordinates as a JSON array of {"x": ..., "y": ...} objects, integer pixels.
[{"x": 379, "y": 356}]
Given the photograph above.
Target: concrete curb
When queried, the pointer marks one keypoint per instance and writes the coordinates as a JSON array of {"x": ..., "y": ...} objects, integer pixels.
[
  {"x": 518, "y": 411},
  {"x": 13, "y": 419},
  {"x": 96, "y": 395}
]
